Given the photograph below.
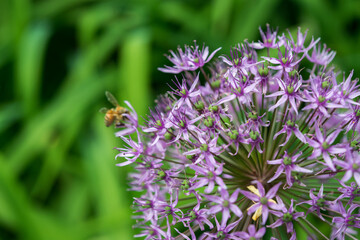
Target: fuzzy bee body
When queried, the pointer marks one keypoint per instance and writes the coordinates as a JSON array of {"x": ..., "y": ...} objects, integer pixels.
[{"x": 113, "y": 115}]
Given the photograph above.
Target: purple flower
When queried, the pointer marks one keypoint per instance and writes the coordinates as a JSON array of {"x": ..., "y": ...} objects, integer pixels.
[
  {"x": 225, "y": 204},
  {"x": 252, "y": 234},
  {"x": 317, "y": 203},
  {"x": 239, "y": 90},
  {"x": 288, "y": 128},
  {"x": 268, "y": 39},
  {"x": 323, "y": 57},
  {"x": 151, "y": 232},
  {"x": 322, "y": 146},
  {"x": 180, "y": 121},
  {"x": 255, "y": 121},
  {"x": 351, "y": 192},
  {"x": 349, "y": 90},
  {"x": 347, "y": 219},
  {"x": 262, "y": 201},
  {"x": 130, "y": 126},
  {"x": 286, "y": 216},
  {"x": 148, "y": 204},
  {"x": 192, "y": 234},
  {"x": 206, "y": 151},
  {"x": 130, "y": 153},
  {"x": 235, "y": 61},
  {"x": 351, "y": 165},
  {"x": 285, "y": 62},
  {"x": 351, "y": 118},
  {"x": 283, "y": 128},
  {"x": 237, "y": 137},
  {"x": 166, "y": 209},
  {"x": 156, "y": 125},
  {"x": 298, "y": 47},
  {"x": 189, "y": 60},
  {"x": 289, "y": 93},
  {"x": 211, "y": 176},
  {"x": 287, "y": 165},
  {"x": 198, "y": 216},
  {"x": 255, "y": 141},
  {"x": 167, "y": 235},
  {"x": 186, "y": 94},
  {"x": 320, "y": 100},
  {"x": 223, "y": 231}
]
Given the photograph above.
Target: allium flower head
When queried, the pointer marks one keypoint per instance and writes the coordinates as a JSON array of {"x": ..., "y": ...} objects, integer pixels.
[{"x": 259, "y": 146}]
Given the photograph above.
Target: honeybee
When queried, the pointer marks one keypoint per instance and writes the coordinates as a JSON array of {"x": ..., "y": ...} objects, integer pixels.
[{"x": 113, "y": 115}]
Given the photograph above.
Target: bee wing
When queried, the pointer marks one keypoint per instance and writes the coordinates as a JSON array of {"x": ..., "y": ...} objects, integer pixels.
[
  {"x": 103, "y": 110},
  {"x": 111, "y": 99}
]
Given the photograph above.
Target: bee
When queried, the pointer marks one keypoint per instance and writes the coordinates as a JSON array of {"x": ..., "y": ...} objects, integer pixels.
[{"x": 114, "y": 115}]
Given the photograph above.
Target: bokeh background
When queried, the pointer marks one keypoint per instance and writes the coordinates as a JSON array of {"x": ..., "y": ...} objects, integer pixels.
[{"x": 58, "y": 178}]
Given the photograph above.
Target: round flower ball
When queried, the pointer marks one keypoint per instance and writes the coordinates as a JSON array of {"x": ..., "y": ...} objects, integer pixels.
[{"x": 262, "y": 143}]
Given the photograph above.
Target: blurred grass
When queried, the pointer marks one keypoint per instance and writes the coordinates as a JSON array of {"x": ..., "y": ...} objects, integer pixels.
[{"x": 58, "y": 179}]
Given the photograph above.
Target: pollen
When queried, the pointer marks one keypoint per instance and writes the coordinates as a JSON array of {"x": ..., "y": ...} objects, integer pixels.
[{"x": 258, "y": 212}]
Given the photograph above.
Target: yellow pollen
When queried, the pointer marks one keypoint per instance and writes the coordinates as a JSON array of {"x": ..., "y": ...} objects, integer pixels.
[
  {"x": 254, "y": 190},
  {"x": 258, "y": 212}
]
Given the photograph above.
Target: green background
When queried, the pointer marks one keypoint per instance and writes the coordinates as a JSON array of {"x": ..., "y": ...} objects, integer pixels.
[{"x": 58, "y": 178}]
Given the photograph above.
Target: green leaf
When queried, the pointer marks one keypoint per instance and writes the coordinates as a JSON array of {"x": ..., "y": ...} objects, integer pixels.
[{"x": 29, "y": 63}]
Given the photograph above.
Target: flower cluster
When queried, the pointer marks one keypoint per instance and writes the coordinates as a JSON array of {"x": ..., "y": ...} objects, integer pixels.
[{"x": 263, "y": 143}]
